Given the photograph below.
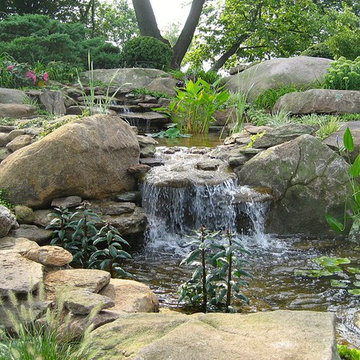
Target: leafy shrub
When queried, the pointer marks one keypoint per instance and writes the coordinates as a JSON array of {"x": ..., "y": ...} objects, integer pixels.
[
  {"x": 269, "y": 97},
  {"x": 77, "y": 232},
  {"x": 4, "y": 199},
  {"x": 211, "y": 77},
  {"x": 319, "y": 50},
  {"x": 194, "y": 107},
  {"x": 348, "y": 354},
  {"x": 144, "y": 91},
  {"x": 343, "y": 74},
  {"x": 15, "y": 75},
  {"x": 146, "y": 52}
]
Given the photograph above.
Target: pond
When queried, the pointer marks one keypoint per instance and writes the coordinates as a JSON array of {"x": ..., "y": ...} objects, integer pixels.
[{"x": 174, "y": 210}]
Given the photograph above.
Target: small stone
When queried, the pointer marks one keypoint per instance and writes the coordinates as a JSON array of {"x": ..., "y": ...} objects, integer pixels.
[
  {"x": 139, "y": 170},
  {"x": 4, "y": 153},
  {"x": 129, "y": 196},
  {"x": 115, "y": 208},
  {"x": 250, "y": 151},
  {"x": 81, "y": 302},
  {"x": 19, "y": 142},
  {"x": 67, "y": 202},
  {"x": 7, "y": 220},
  {"x": 50, "y": 255},
  {"x": 15, "y": 133},
  {"x": 43, "y": 217},
  {"x": 24, "y": 214},
  {"x": 237, "y": 160},
  {"x": 208, "y": 165},
  {"x": 151, "y": 162}
]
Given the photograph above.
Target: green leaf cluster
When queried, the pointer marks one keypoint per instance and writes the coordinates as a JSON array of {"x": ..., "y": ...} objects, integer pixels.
[
  {"x": 91, "y": 248},
  {"x": 194, "y": 107},
  {"x": 343, "y": 74},
  {"x": 218, "y": 273},
  {"x": 4, "y": 199}
]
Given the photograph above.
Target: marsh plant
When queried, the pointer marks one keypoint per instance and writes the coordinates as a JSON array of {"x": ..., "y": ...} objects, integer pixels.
[
  {"x": 34, "y": 335},
  {"x": 194, "y": 107},
  {"x": 91, "y": 248},
  {"x": 352, "y": 205},
  {"x": 218, "y": 273}
]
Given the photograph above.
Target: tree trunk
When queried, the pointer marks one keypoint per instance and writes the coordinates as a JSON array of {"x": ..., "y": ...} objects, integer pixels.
[
  {"x": 187, "y": 34},
  {"x": 230, "y": 52},
  {"x": 146, "y": 19}
]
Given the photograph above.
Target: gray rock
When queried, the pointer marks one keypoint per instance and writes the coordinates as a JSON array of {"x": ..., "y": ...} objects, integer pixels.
[
  {"x": 308, "y": 180},
  {"x": 17, "y": 111},
  {"x": 319, "y": 101},
  {"x": 271, "y": 74},
  {"x": 11, "y": 96},
  {"x": 67, "y": 202},
  {"x": 147, "y": 146},
  {"x": 165, "y": 85},
  {"x": 7, "y": 221},
  {"x": 43, "y": 217},
  {"x": 130, "y": 196},
  {"x": 18, "y": 274},
  {"x": 6, "y": 128},
  {"x": 139, "y": 170},
  {"x": 4, "y": 153},
  {"x": 32, "y": 232},
  {"x": 149, "y": 120},
  {"x": 82, "y": 302},
  {"x": 107, "y": 207},
  {"x": 288, "y": 335},
  {"x": 282, "y": 134},
  {"x": 19, "y": 142},
  {"x": 92, "y": 155},
  {"x": 133, "y": 223},
  {"x": 208, "y": 165},
  {"x": 53, "y": 101}
]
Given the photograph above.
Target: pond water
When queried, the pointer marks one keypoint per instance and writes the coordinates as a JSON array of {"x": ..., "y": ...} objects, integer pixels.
[{"x": 174, "y": 212}]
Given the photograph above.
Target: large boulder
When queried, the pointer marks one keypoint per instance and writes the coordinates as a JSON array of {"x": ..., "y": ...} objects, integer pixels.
[
  {"x": 277, "y": 335},
  {"x": 88, "y": 157},
  {"x": 319, "y": 101},
  {"x": 275, "y": 73},
  {"x": 129, "y": 79},
  {"x": 308, "y": 180},
  {"x": 11, "y": 96}
]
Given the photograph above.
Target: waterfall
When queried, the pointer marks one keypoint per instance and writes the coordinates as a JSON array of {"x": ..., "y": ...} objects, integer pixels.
[{"x": 178, "y": 200}]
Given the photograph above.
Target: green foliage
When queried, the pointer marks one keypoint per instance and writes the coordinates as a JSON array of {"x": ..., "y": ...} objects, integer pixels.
[
  {"x": 49, "y": 127},
  {"x": 343, "y": 74},
  {"x": 91, "y": 248},
  {"x": 318, "y": 50},
  {"x": 195, "y": 73},
  {"x": 144, "y": 91},
  {"x": 4, "y": 200},
  {"x": 352, "y": 206},
  {"x": 348, "y": 354},
  {"x": 218, "y": 272},
  {"x": 171, "y": 133},
  {"x": 62, "y": 72},
  {"x": 327, "y": 127},
  {"x": 268, "y": 98},
  {"x": 37, "y": 38},
  {"x": 29, "y": 339},
  {"x": 238, "y": 101},
  {"x": 16, "y": 75},
  {"x": 194, "y": 107},
  {"x": 146, "y": 52}
]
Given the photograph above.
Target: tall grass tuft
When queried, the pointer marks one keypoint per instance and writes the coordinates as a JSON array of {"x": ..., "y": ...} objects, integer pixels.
[{"x": 47, "y": 338}]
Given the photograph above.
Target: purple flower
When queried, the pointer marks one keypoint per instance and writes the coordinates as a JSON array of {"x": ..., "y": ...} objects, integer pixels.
[
  {"x": 46, "y": 76},
  {"x": 10, "y": 67}
]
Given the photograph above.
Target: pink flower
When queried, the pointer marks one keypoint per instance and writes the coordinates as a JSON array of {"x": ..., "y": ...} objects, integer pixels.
[
  {"x": 46, "y": 76},
  {"x": 30, "y": 74},
  {"x": 10, "y": 67}
]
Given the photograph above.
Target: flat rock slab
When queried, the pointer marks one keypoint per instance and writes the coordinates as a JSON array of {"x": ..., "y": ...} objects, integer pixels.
[
  {"x": 89, "y": 279},
  {"x": 18, "y": 274},
  {"x": 278, "y": 335}
]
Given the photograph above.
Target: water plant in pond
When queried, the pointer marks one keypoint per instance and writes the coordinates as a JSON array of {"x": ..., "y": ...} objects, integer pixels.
[
  {"x": 171, "y": 133},
  {"x": 352, "y": 205},
  {"x": 219, "y": 275},
  {"x": 194, "y": 107}
]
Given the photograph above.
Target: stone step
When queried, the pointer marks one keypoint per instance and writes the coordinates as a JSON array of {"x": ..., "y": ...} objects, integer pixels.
[{"x": 149, "y": 120}]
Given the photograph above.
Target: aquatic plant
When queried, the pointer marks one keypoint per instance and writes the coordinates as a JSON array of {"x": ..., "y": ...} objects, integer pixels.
[
  {"x": 194, "y": 107},
  {"x": 218, "y": 272},
  {"x": 171, "y": 133}
]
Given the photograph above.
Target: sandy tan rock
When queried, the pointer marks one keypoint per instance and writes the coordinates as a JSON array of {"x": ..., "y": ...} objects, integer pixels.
[{"x": 49, "y": 255}]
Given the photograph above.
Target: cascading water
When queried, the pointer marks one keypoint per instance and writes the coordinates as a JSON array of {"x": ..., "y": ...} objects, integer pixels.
[{"x": 181, "y": 196}]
